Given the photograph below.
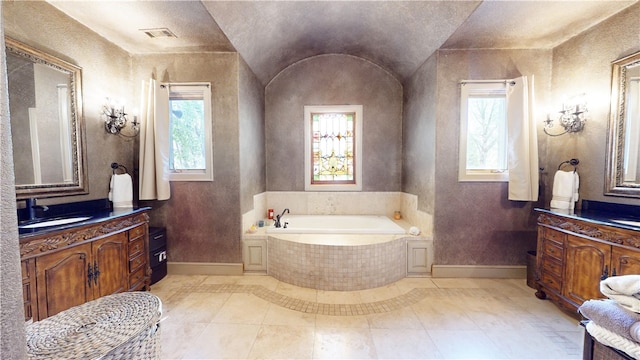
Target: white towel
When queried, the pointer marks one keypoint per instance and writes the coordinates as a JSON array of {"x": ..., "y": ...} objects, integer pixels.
[
  {"x": 565, "y": 190},
  {"x": 624, "y": 289},
  {"x": 121, "y": 191}
]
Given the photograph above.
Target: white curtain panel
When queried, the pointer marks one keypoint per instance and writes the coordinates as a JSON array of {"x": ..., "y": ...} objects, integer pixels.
[
  {"x": 523, "y": 140},
  {"x": 154, "y": 142}
]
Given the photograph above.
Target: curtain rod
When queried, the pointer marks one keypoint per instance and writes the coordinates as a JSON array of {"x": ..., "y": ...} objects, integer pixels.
[
  {"x": 164, "y": 85},
  {"x": 504, "y": 81}
]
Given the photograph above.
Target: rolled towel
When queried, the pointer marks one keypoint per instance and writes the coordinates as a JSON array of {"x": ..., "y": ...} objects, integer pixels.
[
  {"x": 635, "y": 332},
  {"x": 611, "y": 316},
  {"x": 625, "y": 289}
]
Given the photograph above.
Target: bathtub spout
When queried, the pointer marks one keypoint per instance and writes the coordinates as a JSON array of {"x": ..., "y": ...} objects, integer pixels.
[{"x": 278, "y": 217}]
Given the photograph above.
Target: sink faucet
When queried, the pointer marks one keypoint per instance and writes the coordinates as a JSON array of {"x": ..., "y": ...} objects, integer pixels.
[
  {"x": 278, "y": 217},
  {"x": 30, "y": 205}
]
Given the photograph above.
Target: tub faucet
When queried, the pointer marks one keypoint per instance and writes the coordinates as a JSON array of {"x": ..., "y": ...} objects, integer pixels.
[{"x": 278, "y": 217}]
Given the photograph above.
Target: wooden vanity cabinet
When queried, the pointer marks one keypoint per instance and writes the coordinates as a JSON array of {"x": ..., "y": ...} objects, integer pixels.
[
  {"x": 574, "y": 256},
  {"x": 81, "y": 273},
  {"x": 68, "y": 268}
]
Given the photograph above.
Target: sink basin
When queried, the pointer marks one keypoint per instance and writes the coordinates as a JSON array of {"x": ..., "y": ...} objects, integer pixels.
[
  {"x": 55, "y": 222},
  {"x": 627, "y": 222}
]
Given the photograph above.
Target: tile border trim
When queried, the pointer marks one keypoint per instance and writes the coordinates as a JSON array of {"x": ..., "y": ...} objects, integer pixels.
[{"x": 310, "y": 307}]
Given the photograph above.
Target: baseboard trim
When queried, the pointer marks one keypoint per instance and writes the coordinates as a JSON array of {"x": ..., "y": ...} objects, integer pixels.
[
  {"x": 479, "y": 271},
  {"x": 193, "y": 268}
]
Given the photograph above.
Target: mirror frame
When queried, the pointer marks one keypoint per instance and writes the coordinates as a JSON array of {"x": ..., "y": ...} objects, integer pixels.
[
  {"x": 614, "y": 183},
  {"x": 80, "y": 184}
]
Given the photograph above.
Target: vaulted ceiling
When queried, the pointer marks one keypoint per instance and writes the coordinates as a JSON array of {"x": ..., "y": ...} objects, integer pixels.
[{"x": 397, "y": 35}]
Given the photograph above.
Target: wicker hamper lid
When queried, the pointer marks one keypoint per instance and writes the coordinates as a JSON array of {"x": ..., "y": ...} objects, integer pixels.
[{"x": 95, "y": 329}]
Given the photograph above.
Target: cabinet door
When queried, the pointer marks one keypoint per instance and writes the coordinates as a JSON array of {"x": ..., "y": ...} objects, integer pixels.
[
  {"x": 584, "y": 267},
  {"x": 624, "y": 261},
  {"x": 62, "y": 280},
  {"x": 110, "y": 265}
]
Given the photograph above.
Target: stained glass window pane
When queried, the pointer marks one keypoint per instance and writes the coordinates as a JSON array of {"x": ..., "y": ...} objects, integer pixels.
[{"x": 333, "y": 148}]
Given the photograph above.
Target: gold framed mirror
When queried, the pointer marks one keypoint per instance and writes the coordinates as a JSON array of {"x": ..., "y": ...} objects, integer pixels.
[
  {"x": 623, "y": 143},
  {"x": 47, "y": 127}
]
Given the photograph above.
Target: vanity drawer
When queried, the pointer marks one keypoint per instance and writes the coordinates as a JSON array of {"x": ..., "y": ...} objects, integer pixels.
[
  {"x": 136, "y": 247},
  {"x": 552, "y": 267},
  {"x": 27, "y": 301},
  {"x": 553, "y": 250},
  {"x": 25, "y": 270},
  {"x": 551, "y": 281},
  {"x": 137, "y": 263},
  {"x": 554, "y": 235},
  {"x": 136, "y": 280},
  {"x": 136, "y": 232}
]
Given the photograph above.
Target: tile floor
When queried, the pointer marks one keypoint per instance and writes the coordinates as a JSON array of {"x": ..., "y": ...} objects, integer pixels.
[{"x": 259, "y": 317}]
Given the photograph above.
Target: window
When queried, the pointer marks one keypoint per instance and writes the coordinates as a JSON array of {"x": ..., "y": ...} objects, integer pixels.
[
  {"x": 190, "y": 133},
  {"x": 483, "y": 132},
  {"x": 333, "y": 148}
]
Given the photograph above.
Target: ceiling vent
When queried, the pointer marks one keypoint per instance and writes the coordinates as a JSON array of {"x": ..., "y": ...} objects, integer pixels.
[{"x": 159, "y": 33}]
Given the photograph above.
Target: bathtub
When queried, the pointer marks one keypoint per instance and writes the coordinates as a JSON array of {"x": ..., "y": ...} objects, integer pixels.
[
  {"x": 336, "y": 224},
  {"x": 349, "y": 252}
]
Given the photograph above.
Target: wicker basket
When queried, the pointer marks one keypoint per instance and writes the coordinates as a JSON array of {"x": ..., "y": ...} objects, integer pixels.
[
  {"x": 603, "y": 352},
  {"x": 119, "y": 326}
]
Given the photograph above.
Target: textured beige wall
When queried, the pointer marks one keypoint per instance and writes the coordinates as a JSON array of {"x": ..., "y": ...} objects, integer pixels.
[
  {"x": 251, "y": 119},
  {"x": 203, "y": 218},
  {"x": 11, "y": 307},
  {"x": 583, "y": 65},
  {"x": 105, "y": 73},
  {"x": 474, "y": 222},
  {"x": 334, "y": 80},
  {"x": 419, "y": 135}
]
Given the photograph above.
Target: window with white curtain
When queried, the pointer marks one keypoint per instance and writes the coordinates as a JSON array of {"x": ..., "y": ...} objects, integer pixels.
[
  {"x": 483, "y": 132},
  {"x": 190, "y": 132}
]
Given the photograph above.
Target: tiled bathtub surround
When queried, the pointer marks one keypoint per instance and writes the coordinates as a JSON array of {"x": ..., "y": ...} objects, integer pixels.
[
  {"x": 340, "y": 203},
  {"x": 337, "y": 267},
  {"x": 331, "y": 264}
]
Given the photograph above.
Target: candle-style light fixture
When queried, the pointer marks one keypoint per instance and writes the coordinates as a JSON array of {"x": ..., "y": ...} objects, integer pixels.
[
  {"x": 115, "y": 119},
  {"x": 572, "y": 117}
]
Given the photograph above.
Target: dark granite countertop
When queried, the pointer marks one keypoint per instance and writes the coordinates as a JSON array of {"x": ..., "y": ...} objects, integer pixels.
[
  {"x": 602, "y": 213},
  {"x": 97, "y": 211}
]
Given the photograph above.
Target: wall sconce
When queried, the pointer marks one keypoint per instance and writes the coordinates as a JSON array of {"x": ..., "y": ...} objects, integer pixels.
[
  {"x": 572, "y": 116},
  {"x": 115, "y": 119}
]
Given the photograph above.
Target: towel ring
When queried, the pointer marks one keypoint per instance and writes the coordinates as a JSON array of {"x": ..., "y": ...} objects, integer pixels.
[
  {"x": 572, "y": 162},
  {"x": 116, "y": 166}
]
